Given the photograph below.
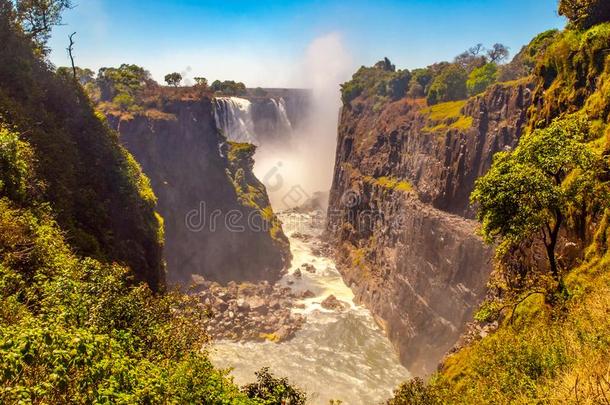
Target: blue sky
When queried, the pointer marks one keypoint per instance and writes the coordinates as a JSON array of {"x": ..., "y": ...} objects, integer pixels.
[{"x": 268, "y": 43}]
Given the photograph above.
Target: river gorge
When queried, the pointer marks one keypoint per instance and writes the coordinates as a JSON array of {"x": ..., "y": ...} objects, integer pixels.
[{"x": 338, "y": 353}]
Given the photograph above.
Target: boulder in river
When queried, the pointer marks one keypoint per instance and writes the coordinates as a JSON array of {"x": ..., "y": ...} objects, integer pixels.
[{"x": 332, "y": 303}]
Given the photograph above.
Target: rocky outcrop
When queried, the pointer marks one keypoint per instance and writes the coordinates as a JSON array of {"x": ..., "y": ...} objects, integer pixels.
[
  {"x": 210, "y": 229},
  {"x": 400, "y": 217},
  {"x": 248, "y": 312}
]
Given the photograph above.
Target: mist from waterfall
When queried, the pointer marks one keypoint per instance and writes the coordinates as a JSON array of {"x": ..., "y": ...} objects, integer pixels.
[{"x": 295, "y": 171}]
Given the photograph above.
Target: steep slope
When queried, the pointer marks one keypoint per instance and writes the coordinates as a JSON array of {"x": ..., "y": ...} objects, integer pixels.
[
  {"x": 210, "y": 229},
  {"x": 95, "y": 189},
  {"x": 399, "y": 211},
  {"x": 75, "y": 328},
  {"x": 549, "y": 347}
]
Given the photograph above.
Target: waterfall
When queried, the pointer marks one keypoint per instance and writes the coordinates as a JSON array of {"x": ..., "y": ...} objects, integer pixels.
[
  {"x": 282, "y": 115},
  {"x": 234, "y": 117},
  {"x": 256, "y": 120}
]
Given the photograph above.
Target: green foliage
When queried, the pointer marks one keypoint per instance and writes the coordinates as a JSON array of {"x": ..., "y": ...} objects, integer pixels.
[
  {"x": 390, "y": 183},
  {"x": 420, "y": 81},
  {"x": 173, "y": 79},
  {"x": 551, "y": 174},
  {"x": 228, "y": 88},
  {"x": 78, "y": 330},
  {"x": 125, "y": 102},
  {"x": 481, "y": 78},
  {"x": 38, "y": 17},
  {"x": 17, "y": 180},
  {"x": 414, "y": 392},
  {"x": 127, "y": 79},
  {"x": 381, "y": 80},
  {"x": 584, "y": 14},
  {"x": 201, "y": 81},
  {"x": 524, "y": 62},
  {"x": 573, "y": 73},
  {"x": 447, "y": 115},
  {"x": 449, "y": 85},
  {"x": 99, "y": 194},
  {"x": 84, "y": 76},
  {"x": 270, "y": 390}
]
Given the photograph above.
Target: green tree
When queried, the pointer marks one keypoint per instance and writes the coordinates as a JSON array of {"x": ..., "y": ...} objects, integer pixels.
[
  {"x": 173, "y": 79},
  {"x": 398, "y": 85},
  {"x": 270, "y": 390},
  {"x": 130, "y": 79},
  {"x": 124, "y": 101},
  {"x": 481, "y": 78},
  {"x": 419, "y": 83},
  {"x": 414, "y": 392},
  {"x": 531, "y": 191},
  {"x": 84, "y": 76},
  {"x": 386, "y": 65},
  {"x": 585, "y": 13},
  {"x": 259, "y": 92},
  {"x": 449, "y": 85},
  {"x": 201, "y": 82},
  {"x": 38, "y": 17}
]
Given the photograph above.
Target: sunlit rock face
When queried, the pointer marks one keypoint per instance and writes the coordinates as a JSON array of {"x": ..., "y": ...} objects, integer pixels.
[
  {"x": 199, "y": 183},
  {"x": 400, "y": 216}
]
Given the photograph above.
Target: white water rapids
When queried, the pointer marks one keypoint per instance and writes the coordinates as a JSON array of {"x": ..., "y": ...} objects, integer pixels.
[{"x": 336, "y": 355}]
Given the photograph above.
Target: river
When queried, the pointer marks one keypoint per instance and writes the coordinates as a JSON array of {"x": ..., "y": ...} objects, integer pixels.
[{"x": 336, "y": 355}]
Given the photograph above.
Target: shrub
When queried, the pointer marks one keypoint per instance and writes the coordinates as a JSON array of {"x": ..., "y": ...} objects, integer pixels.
[
  {"x": 16, "y": 166},
  {"x": 481, "y": 78},
  {"x": 270, "y": 390},
  {"x": 449, "y": 85}
]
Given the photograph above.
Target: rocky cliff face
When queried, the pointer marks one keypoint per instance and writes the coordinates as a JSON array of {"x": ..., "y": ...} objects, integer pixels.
[
  {"x": 399, "y": 211},
  {"x": 212, "y": 228}
]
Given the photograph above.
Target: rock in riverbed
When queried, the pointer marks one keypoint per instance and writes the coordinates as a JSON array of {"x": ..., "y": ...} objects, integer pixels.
[
  {"x": 248, "y": 312},
  {"x": 332, "y": 303}
]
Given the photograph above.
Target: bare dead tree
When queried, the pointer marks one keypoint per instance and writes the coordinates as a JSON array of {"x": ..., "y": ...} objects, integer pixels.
[{"x": 70, "y": 49}]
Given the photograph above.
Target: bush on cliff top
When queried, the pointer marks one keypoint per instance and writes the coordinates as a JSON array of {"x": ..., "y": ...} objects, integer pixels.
[{"x": 381, "y": 80}]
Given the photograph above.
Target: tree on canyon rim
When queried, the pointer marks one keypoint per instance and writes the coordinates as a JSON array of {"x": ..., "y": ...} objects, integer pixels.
[
  {"x": 173, "y": 79},
  {"x": 533, "y": 190},
  {"x": 38, "y": 17}
]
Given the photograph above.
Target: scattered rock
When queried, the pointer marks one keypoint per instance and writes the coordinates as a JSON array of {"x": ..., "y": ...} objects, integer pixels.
[
  {"x": 332, "y": 303},
  {"x": 309, "y": 267},
  {"x": 249, "y": 312},
  {"x": 297, "y": 273},
  {"x": 307, "y": 294},
  {"x": 301, "y": 236}
]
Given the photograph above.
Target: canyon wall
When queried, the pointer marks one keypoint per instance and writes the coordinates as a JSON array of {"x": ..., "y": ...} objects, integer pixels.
[
  {"x": 400, "y": 216},
  {"x": 217, "y": 217}
]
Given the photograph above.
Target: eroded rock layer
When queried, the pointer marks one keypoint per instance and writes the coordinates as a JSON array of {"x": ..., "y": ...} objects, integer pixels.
[{"x": 400, "y": 216}]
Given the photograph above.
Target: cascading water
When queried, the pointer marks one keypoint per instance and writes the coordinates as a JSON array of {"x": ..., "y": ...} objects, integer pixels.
[
  {"x": 257, "y": 121},
  {"x": 336, "y": 355},
  {"x": 234, "y": 117},
  {"x": 282, "y": 115}
]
